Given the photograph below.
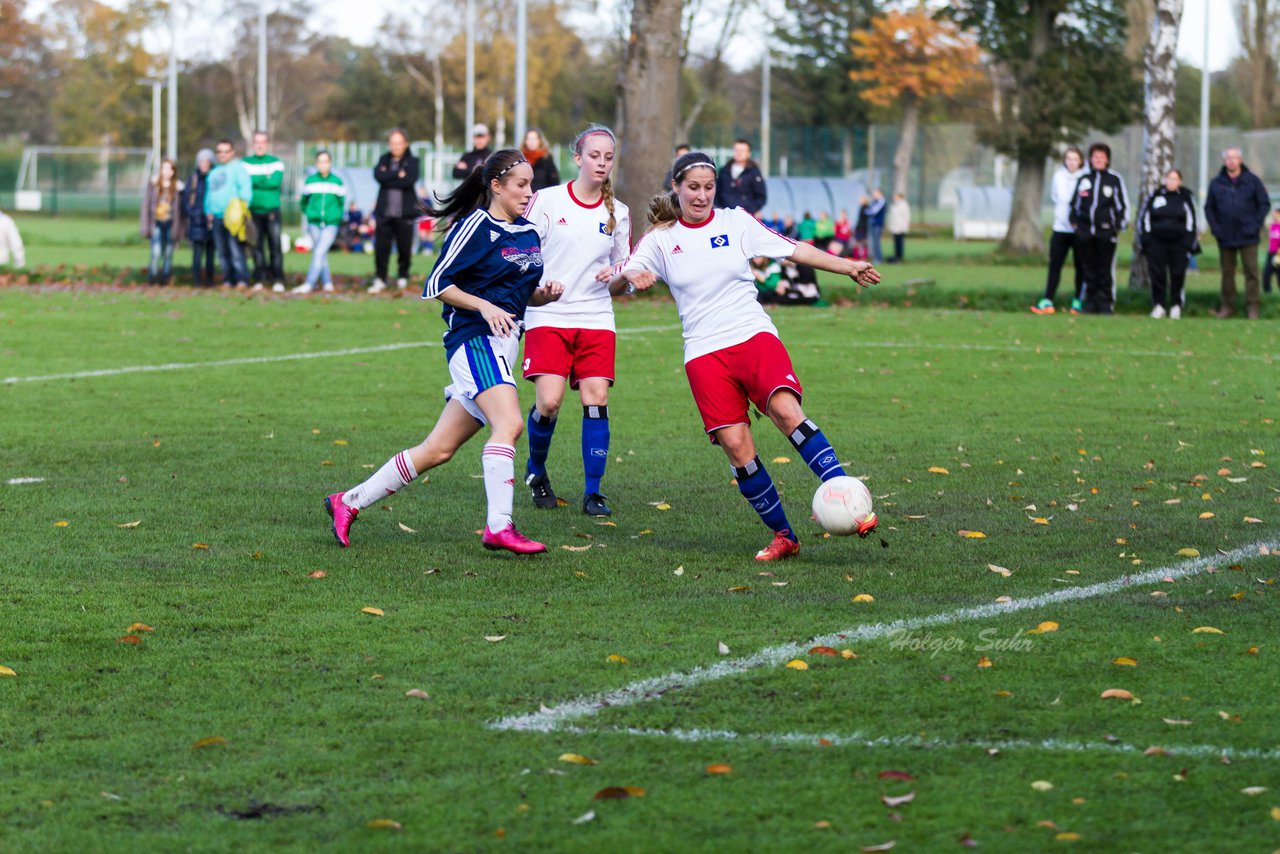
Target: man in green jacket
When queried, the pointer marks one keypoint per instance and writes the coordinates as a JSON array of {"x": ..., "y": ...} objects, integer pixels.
[{"x": 267, "y": 172}]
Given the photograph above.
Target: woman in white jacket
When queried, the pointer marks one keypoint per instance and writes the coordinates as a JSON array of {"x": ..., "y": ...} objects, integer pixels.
[
  {"x": 1062, "y": 241},
  {"x": 11, "y": 249}
]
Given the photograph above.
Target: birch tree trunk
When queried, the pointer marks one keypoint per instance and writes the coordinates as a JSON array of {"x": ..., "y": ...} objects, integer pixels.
[
  {"x": 1159, "y": 75},
  {"x": 649, "y": 86},
  {"x": 907, "y": 133},
  {"x": 1026, "y": 231}
]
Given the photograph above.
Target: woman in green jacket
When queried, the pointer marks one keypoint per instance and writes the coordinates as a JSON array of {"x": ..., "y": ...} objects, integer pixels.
[{"x": 324, "y": 204}]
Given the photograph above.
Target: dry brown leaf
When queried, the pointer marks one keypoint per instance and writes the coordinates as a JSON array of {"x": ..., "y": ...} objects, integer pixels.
[
  {"x": 578, "y": 759},
  {"x": 1068, "y": 836},
  {"x": 199, "y": 545},
  {"x": 891, "y": 802},
  {"x": 1155, "y": 751},
  {"x": 139, "y": 627},
  {"x": 719, "y": 768},
  {"x": 1207, "y": 630},
  {"x": 797, "y": 664},
  {"x": 211, "y": 741},
  {"x": 864, "y": 597},
  {"x": 319, "y": 573},
  {"x": 1043, "y": 628},
  {"x": 938, "y": 470},
  {"x": 406, "y": 528},
  {"x": 1116, "y": 694},
  {"x": 495, "y": 638},
  {"x": 1125, "y": 661},
  {"x": 984, "y": 662},
  {"x": 1253, "y": 520},
  {"x": 132, "y": 640},
  {"x": 418, "y": 693},
  {"x": 848, "y": 654},
  {"x": 1188, "y": 553},
  {"x": 7, "y": 671},
  {"x": 377, "y": 612},
  {"x": 972, "y": 535},
  {"x": 130, "y": 524},
  {"x": 618, "y": 659},
  {"x": 883, "y": 846},
  {"x": 1000, "y": 570},
  {"x": 823, "y": 650},
  {"x": 384, "y": 824},
  {"x": 741, "y": 588},
  {"x": 618, "y": 793}
]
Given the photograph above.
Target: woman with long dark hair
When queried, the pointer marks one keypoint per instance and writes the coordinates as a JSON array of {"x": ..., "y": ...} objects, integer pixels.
[
  {"x": 161, "y": 221},
  {"x": 487, "y": 272}
]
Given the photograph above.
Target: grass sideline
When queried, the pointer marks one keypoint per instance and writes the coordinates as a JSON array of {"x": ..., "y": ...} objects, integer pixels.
[
  {"x": 940, "y": 272},
  {"x": 1094, "y": 425}
]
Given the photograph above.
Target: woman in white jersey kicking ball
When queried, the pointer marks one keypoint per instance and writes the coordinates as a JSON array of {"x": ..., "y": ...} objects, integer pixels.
[
  {"x": 488, "y": 271},
  {"x": 732, "y": 352},
  {"x": 585, "y": 234}
]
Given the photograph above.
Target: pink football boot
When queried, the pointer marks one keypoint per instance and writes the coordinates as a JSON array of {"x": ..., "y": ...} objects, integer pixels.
[
  {"x": 511, "y": 540},
  {"x": 343, "y": 516}
]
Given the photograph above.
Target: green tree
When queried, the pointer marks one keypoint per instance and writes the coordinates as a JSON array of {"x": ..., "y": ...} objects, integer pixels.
[{"x": 1072, "y": 76}]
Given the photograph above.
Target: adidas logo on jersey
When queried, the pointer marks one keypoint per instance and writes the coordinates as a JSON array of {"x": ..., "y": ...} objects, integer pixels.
[
  {"x": 562, "y": 221},
  {"x": 493, "y": 235},
  {"x": 677, "y": 250},
  {"x": 793, "y": 379}
]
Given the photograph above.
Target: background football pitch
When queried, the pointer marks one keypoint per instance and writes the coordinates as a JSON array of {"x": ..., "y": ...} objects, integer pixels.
[{"x": 261, "y": 705}]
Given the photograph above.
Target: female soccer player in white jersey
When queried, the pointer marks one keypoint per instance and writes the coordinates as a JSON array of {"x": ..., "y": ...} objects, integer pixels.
[
  {"x": 732, "y": 353},
  {"x": 585, "y": 233},
  {"x": 488, "y": 270}
]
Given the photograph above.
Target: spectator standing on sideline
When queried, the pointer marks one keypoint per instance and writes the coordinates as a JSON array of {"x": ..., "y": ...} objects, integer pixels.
[
  {"x": 228, "y": 182},
  {"x": 680, "y": 150},
  {"x": 480, "y": 151},
  {"x": 323, "y": 203},
  {"x": 1167, "y": 231},
  {"x": 807, "y": 229},
  {"x": 824, "y": 231},
  {"x": 1099, "y": 212},
  {"x": 1236, "y": 207},
  {"x": 161, "y": 221},
  {"x": 545, "y": 173},
  {"x": 198, "y": 231},
  {"x": 860, "y": 228},
  {"x": 741, "y": 183},
  {"x": 396, "y": 213},
  {"x": 12, "y": 252},
  {"x": 875, "y": 225},
  {"x": 843, "y": 232},
  {"x": 899, "y": 223},
  {"x": 267, "y": 172},
  {"x": 1273, "y": 246},
  {"x": 1063, "y": 240}
]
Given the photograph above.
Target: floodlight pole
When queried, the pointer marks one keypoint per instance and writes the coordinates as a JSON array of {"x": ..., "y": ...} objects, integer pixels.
[
  {"x": 262, "y": 71},
  {"x": 155, "y": 117},
  {"x": 173, "y": 85},
  {"x": 522, "y": 69},
  {"x": 766, "y": 117},
  {"x": 471, "y": 67},
  {"x": 1204, "y": 111}
]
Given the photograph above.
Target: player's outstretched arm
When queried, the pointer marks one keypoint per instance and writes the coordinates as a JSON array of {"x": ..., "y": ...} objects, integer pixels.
[
  {"x": 861, "y": 272},
  {"x": 501, "y": 323}
]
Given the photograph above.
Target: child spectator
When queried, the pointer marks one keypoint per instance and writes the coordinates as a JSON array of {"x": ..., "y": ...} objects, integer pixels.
[
  {"x": 12, "y": 251},
  {"x": 843, "y": 232},
  {"x": 899, "y": 224},
  {"x": 806, "y": 231},
  {"x": 1272, "y": 247},
  {"x": 860, "y": 230}
]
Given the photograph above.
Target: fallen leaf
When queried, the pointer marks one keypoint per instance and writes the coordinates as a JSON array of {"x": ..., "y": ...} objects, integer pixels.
[
  {"x": 972, "y": 535},
  {"x": 608, "y": 523},
  {"x": 130, "y": 524},
  {"x": 1253, "y": 520},
  {"x": 1040, "y": 520},
  {"x": 1188, "y": 553},
  {"x": 575, "y": 548},
  {"x": 211, "y": 741},
  {"x": 679, "y": 570},
  {"x": 1116, "y": 694},
  {"x": 61, "y": 523},
  {"x": 823, "y": 650},
  {"x": 406, "y": 528},
  {"x": 894, "y": 775},
  {"x": 1000, "y": 570},
  {"x": 7, "y": 671},
  {"x": 984, "y": 662},
  {"x": 578, "y": 759},
  {"x": 722, "y": 648},
  {"x": 1042, "y": 628},
  {"x": 132, "y": 640},
  {"x": 1003, "y": 600},
  {"x": 384, "y": 824},
  {"x": 199, "y": 545},
  {"x": 341, "y": 442},
  {"x": 617, "y": 659},
  {"x": 618, "y": 793},
  {"x": 900, "y": 799},
  {"x": 417, "y": 692},
  {"x": 938, "y": 470},
  {"x": 719, "y": 769},
  {"x": 1042, "y": 785},
  {"x": 587, "y": 816},
  {"x": 1155, "y": 751},
  {"x": 741, "y": 588},
  {"x": 1253, "y": 790},
  {"x": 1206, "y": 515},
  {"x": 797, "y": 664},
  {"x": 377, "y": 612},
  {"x": 1125, "y": 661},
  {"x": 495, "y": 638},
  {"x": 1004, "y": 693},
  {"x": 1176, "y": 722},
  {"x": 1275, "y": 813},
  {"x": 139, "y": 627},
  {"x": 1223, "y": 472},
  {"x": 883, "y": 846},
  {"x": 822, "y": 825},
  {"x": 560, "y": 502},
  {"x": 782, "y": 460},
  {"x": 864, "y": 597},
  {"x": 662, "y": 506},
  {"x": 1068, "y": 836},
  {"x": 1253, "y": 650},
  {"x": 1207, "y": 630},
  {"x": 848, "y": 654}
]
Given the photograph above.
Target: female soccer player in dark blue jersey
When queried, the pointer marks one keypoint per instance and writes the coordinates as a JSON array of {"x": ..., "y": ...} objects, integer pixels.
[{"x": 487, "y": 272}]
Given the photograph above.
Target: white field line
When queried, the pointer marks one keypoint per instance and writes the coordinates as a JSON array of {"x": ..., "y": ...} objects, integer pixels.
[
  {"x": 914, "y": 741},
  {"x": 261, "y": 360},
  {"x": 1044, "y": 350},
  {"x": 550, "y": 719}
]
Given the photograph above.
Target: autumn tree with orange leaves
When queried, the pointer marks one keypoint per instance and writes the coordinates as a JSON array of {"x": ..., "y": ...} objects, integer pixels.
[{"x": 909, "y": 57}]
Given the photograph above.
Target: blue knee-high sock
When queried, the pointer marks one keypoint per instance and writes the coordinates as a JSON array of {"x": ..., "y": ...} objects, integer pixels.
[
  {"x": 595, "y": 446},
  {"x": 757, "y": 487},
  {"x": 816, "y": 450},
  {"x": 540, "y": 428}
]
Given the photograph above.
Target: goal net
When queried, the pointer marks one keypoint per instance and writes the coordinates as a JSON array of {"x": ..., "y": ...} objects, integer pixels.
[{"x": 72, "y": 179}]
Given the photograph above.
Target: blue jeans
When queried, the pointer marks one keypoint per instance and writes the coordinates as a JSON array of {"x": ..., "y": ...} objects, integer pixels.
[
  {"x": 161, "y": 265},
  {"x": 230, "y": 254},
  {"x": 322, "y": 237},
  {"x": 877, "y": 252}
]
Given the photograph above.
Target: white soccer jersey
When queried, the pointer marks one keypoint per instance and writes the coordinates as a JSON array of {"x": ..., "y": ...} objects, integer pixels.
[
  {"x": 576, "y": 242},
  {"x": 708, "y": 268}
]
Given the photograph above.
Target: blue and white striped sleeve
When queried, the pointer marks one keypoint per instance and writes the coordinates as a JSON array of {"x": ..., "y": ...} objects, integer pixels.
[{"x": 459, "y": 252}]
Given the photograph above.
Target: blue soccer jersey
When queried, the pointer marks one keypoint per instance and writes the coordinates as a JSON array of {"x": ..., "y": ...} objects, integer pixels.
[{"x": 490, "y": 258}]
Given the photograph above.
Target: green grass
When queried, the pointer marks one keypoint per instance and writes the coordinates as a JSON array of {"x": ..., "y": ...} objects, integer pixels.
[{"x": 1115, "y": 416}]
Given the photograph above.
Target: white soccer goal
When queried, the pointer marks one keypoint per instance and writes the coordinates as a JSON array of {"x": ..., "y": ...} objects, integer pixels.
[{"x": 81, "y": 179}]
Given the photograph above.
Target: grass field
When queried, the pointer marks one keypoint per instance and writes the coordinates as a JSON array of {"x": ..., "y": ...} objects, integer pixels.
[{"x": 263, "y": 708}]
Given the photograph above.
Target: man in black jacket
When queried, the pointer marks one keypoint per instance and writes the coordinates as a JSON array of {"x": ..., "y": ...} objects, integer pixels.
[
  {"x": 741, "y": 183},
  {"x": 1235, "y": 207},
  {"x": 1099, "y": 212},
  {"x": 396, "y": 212},
  {"x": 479, "y": 153}
]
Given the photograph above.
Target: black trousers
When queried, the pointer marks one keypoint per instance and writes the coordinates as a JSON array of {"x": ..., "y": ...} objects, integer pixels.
[
  {"x": 202, "y": 250},
  {"x": 268, "y": 266},
  {"x": 1060, "y": 244},
  {"x": 1269, "y": 272},
  {"x": 401, "y": 231},
  {"x": 1097, "y": 255},
  {"x": 898, "y": 248},
  {"x": 1167, "y": 262}
]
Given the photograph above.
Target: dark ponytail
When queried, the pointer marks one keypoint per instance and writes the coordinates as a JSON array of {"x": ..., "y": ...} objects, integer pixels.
[{"x": 473, "y": 192}]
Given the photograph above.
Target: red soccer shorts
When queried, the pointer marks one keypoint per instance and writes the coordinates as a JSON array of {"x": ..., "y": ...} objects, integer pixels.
[
  {"x": 575, "y": 354},
  {"x": 725, "y": 381}
]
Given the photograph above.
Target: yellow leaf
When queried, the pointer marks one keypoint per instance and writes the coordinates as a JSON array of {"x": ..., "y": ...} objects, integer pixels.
[
  {"x": 130, "y": 524},
  {"x": 1125, "y": 661},
  {"x": 578, "y": 759},
  {"x": 418, "y": 693},
  {"x": 741, "y": 588},
  {"x": 663, "y": 506},
  {"x": 1042, "y": 785},
  {"x": 864, "y": 597},
  {"x": 1040, "y": 520},
  {"x": 7, "y": 671},
  {"x": 984, "y": 662},
  {"x": 847, "y": 654},
  {"x": 576, "y": 548},
  {"x": 797, "y": 664},
  {"x": 384, "y": 824},
  {"x": 377, "y": 612},
  {"x": 719, "y": 768},
  {"x": 1003, "y": 600},
  {"x": 1004, "y": 693},
  {"x": 1116, "y": 694},
  {"x": 938, "y": 470},
  {"x": 1252, "y": 520},
  {"x": 782, "y": 460},
  {"x": 580, "y": 574},
  {"x": 608, "y": 523},
  {"x": 1253, "y": 650},
  {"x": 139, "y": 627},
  {"x": 618, "y": 659},
  {"x": 61, "y": 523},
  {"x": 1275, "y": 813},
  {"x": 1188, "y": 553},
  {"x": 973, "y": 535},
  {"x": 1206, "y": 515},
  {"x": 199, "y": 545},
  {"x": 340, "y": 442},
  {"x": 406, "y": 528},
  {"x": 1207, "y": 630},
  {"x": 495, "y": 638},
  {"x": 1046, "y": 626},
  {"x": 1000, "y": 570},
  {"x": 208, "y": 742},
  {"x": 1068, "y": 836}
]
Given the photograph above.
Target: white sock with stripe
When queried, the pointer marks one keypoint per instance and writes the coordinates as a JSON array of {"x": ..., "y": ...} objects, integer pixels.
[
  {"x": 499, "y": 483},
  {"x": 395, "y": 474}
]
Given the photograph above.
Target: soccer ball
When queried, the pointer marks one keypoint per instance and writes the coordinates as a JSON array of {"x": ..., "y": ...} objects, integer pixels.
[{"x": 841, "y": 504}]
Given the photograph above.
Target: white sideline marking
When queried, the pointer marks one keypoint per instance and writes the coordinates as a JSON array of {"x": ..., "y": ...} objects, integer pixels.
[
  {"x": 15, "y": 481},
  {"x": 860, "y": 740},
  {"x": 261, "y": 360},
  {"x": 1045, "y": 350},
  {"x": 548, "y": 720}
]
